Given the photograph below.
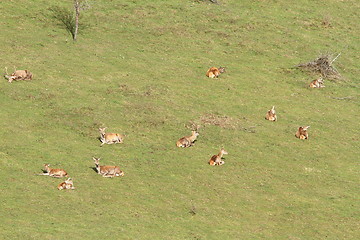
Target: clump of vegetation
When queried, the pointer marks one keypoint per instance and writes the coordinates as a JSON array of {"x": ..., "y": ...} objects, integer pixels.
[
  {"x": 322, "y": 65},
  {"x": 69, "y": 19},
  {"x": 221, "y": 121},
  {"x": 210, "y": 1},
  {"x": 65, "y": 18}
]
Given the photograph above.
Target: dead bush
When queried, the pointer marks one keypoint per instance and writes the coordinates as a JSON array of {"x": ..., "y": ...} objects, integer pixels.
[{"x": 322, "y": 65}]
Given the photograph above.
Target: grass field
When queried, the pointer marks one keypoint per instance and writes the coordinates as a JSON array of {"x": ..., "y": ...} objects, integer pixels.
[{"x": 138, "y": 68}]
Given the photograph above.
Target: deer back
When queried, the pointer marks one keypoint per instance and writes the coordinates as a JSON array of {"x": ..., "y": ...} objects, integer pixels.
[
  {"x": 113, "y": 137},
  {"x": 109, "y": 170}
]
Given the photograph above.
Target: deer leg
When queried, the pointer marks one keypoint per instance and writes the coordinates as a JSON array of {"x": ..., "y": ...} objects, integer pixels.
[
  {"x": 106, "y": 175},
  {"x": 42, "y": 174}
]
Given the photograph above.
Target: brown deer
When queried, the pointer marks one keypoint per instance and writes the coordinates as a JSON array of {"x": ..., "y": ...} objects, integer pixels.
[
  {"x": 68, "y": 184},
  {"x": 18, "y": 75},
  {"x": 53, "y": 172},
  {"x": 214, "y": 72},
  {"x": 187, "y": 141},
  {"x": 110, "y": 138},
  {"x": 302, "y": 133},
  {"x": 317, "y": 83},
  {"x": 107, "y": 171},
  {"x": 217, "y": 159},
  {"x": 271, "y": 114}
]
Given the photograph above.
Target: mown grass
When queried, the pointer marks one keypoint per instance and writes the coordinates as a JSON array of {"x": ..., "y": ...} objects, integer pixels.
[{"x": 139, "y": 69}]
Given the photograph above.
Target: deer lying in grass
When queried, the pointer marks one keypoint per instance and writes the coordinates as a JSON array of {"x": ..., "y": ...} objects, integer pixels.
[
  {"x": 271, "y": 114},
  {"x": 302, "y": 133},
  {"x": 187, "y": 141},
  {"x": 214, "y": 72},
  {"x": 18, "y": 75},
  {"x": 110, "y": 138},
  {"x": 317, "y": 83},
  {"x": 54, "y": 172},
  {"x": 107, "y": 171},
  {"x": 216, "y": 159},
  {"x": 68, "y": 184}
]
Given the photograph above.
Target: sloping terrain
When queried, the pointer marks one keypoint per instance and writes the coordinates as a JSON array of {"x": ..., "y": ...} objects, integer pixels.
[{"x": 138, "y": 68}]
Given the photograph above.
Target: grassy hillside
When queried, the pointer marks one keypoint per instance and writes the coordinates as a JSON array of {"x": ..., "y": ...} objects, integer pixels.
[{"x": 138, "y": 68}]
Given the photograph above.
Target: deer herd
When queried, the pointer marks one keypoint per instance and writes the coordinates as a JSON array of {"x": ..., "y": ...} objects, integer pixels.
[{"x": 184, "y": 142}]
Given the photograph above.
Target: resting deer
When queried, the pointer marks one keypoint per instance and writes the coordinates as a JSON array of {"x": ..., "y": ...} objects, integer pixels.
[
  {"x": 302, "y": 133},
  {"x": 214, "y": 72},
  {"x": 271, "y": 114},
  {"x": 187, "y": 141},
  {"x": 216, "y": 159},
  {"x": 18, "y": 75},
  {"x": 68, "y": 184},
  {"x": 317, "y": 83},
  {"x": 54, "y": 172},
  {"x": 110, "y": 138},
  {"x": 107, "y": 171}
]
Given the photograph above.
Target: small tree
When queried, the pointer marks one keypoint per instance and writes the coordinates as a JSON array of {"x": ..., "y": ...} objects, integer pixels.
[
  {"x": 77, "y": 15},
  {"x": 68, "y": 19}
]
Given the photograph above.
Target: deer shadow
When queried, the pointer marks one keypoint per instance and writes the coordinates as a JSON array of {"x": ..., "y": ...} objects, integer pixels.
[{"x": 94, "y": 168}]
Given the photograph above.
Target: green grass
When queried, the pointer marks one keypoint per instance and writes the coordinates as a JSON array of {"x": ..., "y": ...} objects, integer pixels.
[{"x": 139, "y": 68}]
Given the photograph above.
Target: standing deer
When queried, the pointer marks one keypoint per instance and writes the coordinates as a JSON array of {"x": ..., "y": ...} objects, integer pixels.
[
  {"x": 187, "y": 141},
  {"x": 271, "y": 114},
  {"x": 302, "y": 133},
  {"x": 107, "y": 171},
  {"x": 54, "y": 172},
  {"x": 68, "y": 184},
  {"x": 110, "y": 138},
  {"x": 216, "y": 159},
  {"x": 214, "y": 72}
]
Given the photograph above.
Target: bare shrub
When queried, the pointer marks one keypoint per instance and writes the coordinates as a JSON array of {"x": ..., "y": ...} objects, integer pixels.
[
  {"x": 322, "y": 65},
  {"x": 69, "y": 19},
  {"x": 65, "y": 17}
]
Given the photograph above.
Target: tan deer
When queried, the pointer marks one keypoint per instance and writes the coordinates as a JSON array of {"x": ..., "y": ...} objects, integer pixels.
[
  {"x": 317, "y": 83},
  {"x": 271, "y": 114},
  {"x": 302, "y": 133},
  {"x": 214, "y": 72},
  {"x": 187, "y": 141},
  {"x": 18, "y": 75},
  {"x": 68, "y": 184},
  {"x": 217, "y": 159},
  {"x": 54, "y": 172},
  {"x": 110, "y": 138},
  {"x": 107, "y": 171}
]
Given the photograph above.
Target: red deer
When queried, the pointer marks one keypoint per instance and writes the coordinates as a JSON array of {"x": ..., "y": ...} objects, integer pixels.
[
  {"x": 110, "y": 138},
  {"x": 302, "y": 133},
  {"x": 107, "y": 171},
  {"x": 19, "y": 75},
  {"x": 53, "y": 172},
  {"x": 68, "y": 184},
  {"x": 214, "y": 72},
  {"x": 216, "y": 159},
  {"x": 271, "y": 114},
  {"x": 317, "y": 83},
  {"x": 187, "y": 141}
]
